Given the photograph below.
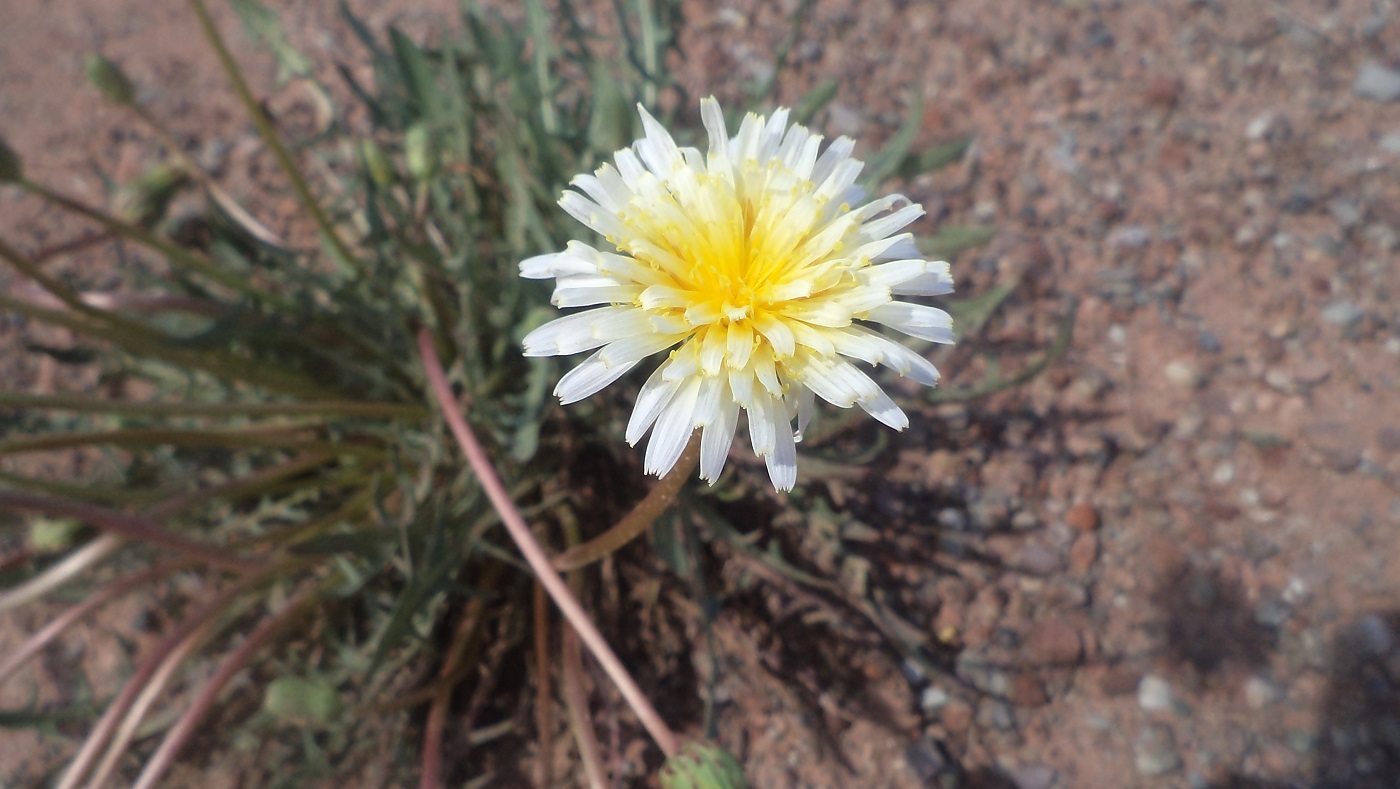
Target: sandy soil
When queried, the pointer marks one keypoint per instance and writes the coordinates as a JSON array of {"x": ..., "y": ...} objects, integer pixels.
[{"x": 1171, "y": 560}]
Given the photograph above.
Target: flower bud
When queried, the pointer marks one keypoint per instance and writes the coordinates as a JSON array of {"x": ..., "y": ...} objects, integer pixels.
[
  {"x": 377, "y": 164},
  {"x": 10, "y": 167},
  {"x": 143, "y": 200},
  {"x": 701, "y": 767},
  {"x": 108, "y": 78},
  {"x": 421, "y": 152},
  {"x": 304, "y": 701},
  {"x": 52, "y": 535}
]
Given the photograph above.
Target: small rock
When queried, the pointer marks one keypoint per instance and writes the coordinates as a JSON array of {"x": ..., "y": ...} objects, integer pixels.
[
  {"x": 1381, "y": 236},
  {"x": 1346, "y": 211},
  {"x": 1259, "y": 127},
  {"x": 1224, "y": 473},
  {"x": 956, "y": 716},
  {"x": 1033, "y": 776},
  {"x": 1154, "y": 694},
  {"x": 1182, "y": 374},
  {"x": 995, "y": 714},
  {"x": 1027, "y": 691},
  {"x": 1343, "y": 314},
  {"x": 1054, "y": 642},
  {"x": 933, "y": 699},
  {"x": 1390, "y": 143},
  {"x": 1082, "y": 516},
  {"x": 1129, "y": 237},
  {"x": 1083, "y": 553},
  {"x": 1260, "y": 693},
  {"x": 1312, "y": 372},
  {"x": 1120, "y": 680},
  {"x": 930, "y": 760},
  {"x": 1375, "y": 636},
  {"x": 1155, "y": 753},
  {"x": 1208, "y": 342},
  {"x": 1039, "y": 560},
  {"x": 1388, "y": 439},
  {"x": 1377, "y": 82}
]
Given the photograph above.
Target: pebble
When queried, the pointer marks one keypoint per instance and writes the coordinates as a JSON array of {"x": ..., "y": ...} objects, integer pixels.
[
  {"x": 1039, "y": 560},
  {"x": 1377, "y": 82},
  {"x": 1344, "y": 314},
  {"x": 1083, "y": 517},
  {"x": 1129, "y": 237},
  {"x": 995, "y": 714},
  {"x": 1224, "y": 473},
  {"x": 1208, "y": 342},
  {"x": 1155, "y": 753},
  {"x": 1390, "y": 143},
  {"x": 933, "y": 699},
  {"x": 930, "y": 760},
  {"x": 1260, "y": 693},
  {"x": 1033, "y": 776},
  {"x": 1375, "y": 636},
  {"x": 956, "y": 716},
  {"x": 1027, "y": 691},
  {"x": 1154, "y": 694},
  {"x": 1182, "y": 374},
  {"x": 1054, "y": 642}
]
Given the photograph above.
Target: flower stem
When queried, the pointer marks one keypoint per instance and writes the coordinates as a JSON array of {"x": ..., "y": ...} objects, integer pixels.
[
  {"x": 638, "y": 520},
  {"x": 535, "y": 555},
  {"x": 284, "y": 158}
]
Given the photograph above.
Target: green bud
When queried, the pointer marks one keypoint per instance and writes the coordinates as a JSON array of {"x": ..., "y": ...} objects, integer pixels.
[
  {"x": 52, "y": 535},
  {"x": 144, "y": 200},
  {"x": 108, "y": 78},
  {"x": 377, "y": 164},
  {"x": 421, "y": 152},
  {"x": 302, "y": 701},
  {"x": 11, "y": 169},
  {"x": 701, "y": 767}
]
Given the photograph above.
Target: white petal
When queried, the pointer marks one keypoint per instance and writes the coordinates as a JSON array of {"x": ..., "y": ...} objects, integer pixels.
[
  {"x": 806, "y": 409},
  {"x": 584, "y": 331},
  {"x": 653, "y": 397},
  {"x": 591, "y": 215},
  {"x": 841, "y": 179},
  {"x": 763, "y": 431},
  {"x": 936, "y": 281},
  {"x": 657, "y": 149},
  {"x": 588, "y": 379},
  {"x": 713, "y": 391},
  {"x": 885, "y": 411},
  {"x": 673, "y": 429},
  {"x": 903, "y": 247},
  {"x": 630, "y": 350},
  {"x": 586, "y": 291},
  {"x": 916, "y": 320},
  {"x": 885, "y": 226},
  {"x": 716, "y": 440},
  {"x": 836, "y": 153},
  {"x": 782, "y": 464},
  {"x": 555, "y": 264},
  {"x": 873, "y": 348},
  {"x": 713, "y": 117},
  {"x": 778, "y": 335}
]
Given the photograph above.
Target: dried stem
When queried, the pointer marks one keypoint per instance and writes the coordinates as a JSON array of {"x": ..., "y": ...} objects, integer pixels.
[
  {"x": 544, "y": 696},
  {"x": 274, "y": 142},
  {"x": 576, "y": 702},
  {"x": 116, "y": 711},
  {"x": 268, "y": 629},
  {"x": 535, "y": 555},
  {"x": 95, "y": 600},
  {"x": 72, "y": 565},
  {"x": 638, "y": 520},
  {"x": 449, "y": 674},
  {"x": 131, "y": 527}
]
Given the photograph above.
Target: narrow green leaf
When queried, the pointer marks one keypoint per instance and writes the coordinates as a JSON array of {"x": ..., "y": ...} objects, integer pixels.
[{"x": 885, "y": 163}]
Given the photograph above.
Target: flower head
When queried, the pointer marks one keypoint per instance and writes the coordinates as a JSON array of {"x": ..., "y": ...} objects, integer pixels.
[{"x": 752, "y": 265}]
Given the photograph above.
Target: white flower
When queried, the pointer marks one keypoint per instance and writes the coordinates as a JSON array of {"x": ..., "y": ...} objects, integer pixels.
[{"x": 752, "y": 261}]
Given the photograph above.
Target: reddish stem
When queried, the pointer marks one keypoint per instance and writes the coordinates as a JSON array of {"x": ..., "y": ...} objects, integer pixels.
[{"x": 535, "y": 555}]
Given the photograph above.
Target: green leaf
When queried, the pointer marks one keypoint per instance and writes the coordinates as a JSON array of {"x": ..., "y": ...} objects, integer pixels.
[
  {"x": 427, "y": 97},
  {"x": 951, "y": 241},
  {"x": 263, "y": 25},
  {"x": 935, "y": 158},
  {"x": 886, "y": 162},
  {"x": 814, "y": 101}
]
